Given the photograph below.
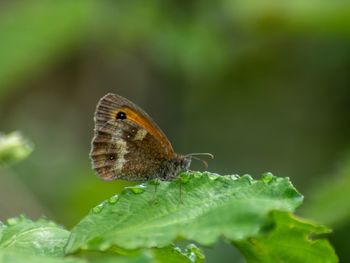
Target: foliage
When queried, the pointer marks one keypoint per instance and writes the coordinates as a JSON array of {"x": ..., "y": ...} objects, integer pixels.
[
  {"x": 276, "y": 70},
  {"x": 41, "y": 237},
  {"x": 141, "y": 224},
  {"x": 292, "y": 240},
  {"x": 329, "y": 202},
  {"x": 211, "y": 206},
  {"x": 13, "y": 147},
  {"x": 33, "y": 33}
]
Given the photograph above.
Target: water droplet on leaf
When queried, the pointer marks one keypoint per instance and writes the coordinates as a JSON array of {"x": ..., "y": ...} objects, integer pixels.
[
  {"x": 104, "y": 246},
  {"x": 234, "y": 176},
  {"x": 177, "y": 249},
  {"x": 98, "y": 209},
  {"x": 267, "y": 177},
  {"x": 248, "y": 178},
  {"x": 13, "y": 221},
  {"x": 213, "y": 176},
  {"x": 113, "y": 199},
  {"x": 184, "y": 177},
  {"x": 137, "y": 189}
]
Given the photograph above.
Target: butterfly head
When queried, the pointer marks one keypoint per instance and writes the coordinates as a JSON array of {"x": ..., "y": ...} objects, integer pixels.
[{"x": 172, "y": 167}]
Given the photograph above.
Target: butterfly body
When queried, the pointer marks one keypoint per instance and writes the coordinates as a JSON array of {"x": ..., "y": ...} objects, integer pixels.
[{"x": 129, "y": 145}]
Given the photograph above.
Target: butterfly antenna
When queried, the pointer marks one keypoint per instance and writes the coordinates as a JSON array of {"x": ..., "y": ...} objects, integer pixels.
[
  {"x": 194, "y": 156},
  {"x": 201, "y": 160}
]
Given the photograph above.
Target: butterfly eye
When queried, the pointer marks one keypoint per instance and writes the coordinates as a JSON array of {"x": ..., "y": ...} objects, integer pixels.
[{"x": 121, "y": 115}]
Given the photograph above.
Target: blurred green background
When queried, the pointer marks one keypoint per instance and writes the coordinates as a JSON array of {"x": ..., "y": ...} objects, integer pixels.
[{"x": 263, "y": 85}]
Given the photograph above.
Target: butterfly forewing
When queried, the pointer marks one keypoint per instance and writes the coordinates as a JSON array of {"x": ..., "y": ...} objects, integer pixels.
[{"x": 127, "y": 143}]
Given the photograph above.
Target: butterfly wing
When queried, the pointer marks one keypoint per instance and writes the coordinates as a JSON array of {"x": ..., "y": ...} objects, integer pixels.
[{"x": 127, "y": 144}]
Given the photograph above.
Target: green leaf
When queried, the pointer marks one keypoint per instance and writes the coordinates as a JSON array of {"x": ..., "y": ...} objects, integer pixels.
[
  {"x": 211, "y": 206},
  {"x": 175, "y": 255},
  {"x": 329, "y": 202},
  {"x": 42, "y": 237},
  {"x": 170, "y": 254},
  {"x": 13, "y": 147},
  {"x": 15, "y": 257},
  {"x": 21, "y": 239},
  {"x": 142, "y": 256},
  {"x": 292, "y": 240},
  {"x": 159, "y": 255}
]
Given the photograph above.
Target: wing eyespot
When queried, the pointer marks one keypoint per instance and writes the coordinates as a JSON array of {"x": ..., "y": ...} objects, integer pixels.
[
  {"x": 112, "y": 157},
  {"x": 121, "y": 115}
]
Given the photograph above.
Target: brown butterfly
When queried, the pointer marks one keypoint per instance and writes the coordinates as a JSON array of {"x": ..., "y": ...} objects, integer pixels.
[{"x": 129, "y": 145}]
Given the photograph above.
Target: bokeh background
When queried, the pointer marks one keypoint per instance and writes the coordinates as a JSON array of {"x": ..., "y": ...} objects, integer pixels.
[{"x": 263, "y": 85}]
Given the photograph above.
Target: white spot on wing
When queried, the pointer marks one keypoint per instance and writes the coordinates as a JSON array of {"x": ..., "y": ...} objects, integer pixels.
[
  {"x": 140, "y": 135},
  {"x": 122, "y": 151},
  {"x": 116, "y": 135}
]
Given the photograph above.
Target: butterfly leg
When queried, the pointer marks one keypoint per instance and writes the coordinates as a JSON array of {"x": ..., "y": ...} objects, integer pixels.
[
  {"x": 180, "y": 192},
  {"x": 155, "y": 183},
  {"x": 183, "y": 178}
]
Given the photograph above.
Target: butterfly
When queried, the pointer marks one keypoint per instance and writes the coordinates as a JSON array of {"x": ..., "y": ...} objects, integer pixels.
[{"x": 129, "y": 145}]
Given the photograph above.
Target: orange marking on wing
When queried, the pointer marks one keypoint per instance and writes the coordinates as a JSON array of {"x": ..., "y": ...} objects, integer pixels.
[{"x": 147, "y": 125}]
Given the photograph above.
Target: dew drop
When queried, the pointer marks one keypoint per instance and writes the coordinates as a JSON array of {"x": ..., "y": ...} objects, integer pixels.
[
  {"x": 213, "y": 176},
  {"x": 177, "y": 249},
  {"x": 184, "y": 177},
  {"x": 98, "y": 209},
  {"x": 248, "y": 177},
  {"x": 199, "y": 174},
  {"x": 113, "y": 199},
  {"x": 104, "y": 246},
  {"x": 234, "y": 176},
  {"x": 221, "y": 178},
  {"x": 267, "y": 177},
  {"x": 192, "y": 256},
  {"x": 13, "y": 221},
  {"x": 137, "y": 189}
]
